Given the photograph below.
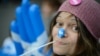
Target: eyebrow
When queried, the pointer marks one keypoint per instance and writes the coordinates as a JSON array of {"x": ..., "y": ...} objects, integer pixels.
[{"x": 73, "y": 20}]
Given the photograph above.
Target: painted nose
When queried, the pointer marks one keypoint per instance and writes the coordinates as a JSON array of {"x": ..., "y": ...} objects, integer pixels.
[{"x": 61, "y": 33}]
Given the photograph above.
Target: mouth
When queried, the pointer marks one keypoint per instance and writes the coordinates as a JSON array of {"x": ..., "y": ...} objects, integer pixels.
[{"x": 61, "y": 43}]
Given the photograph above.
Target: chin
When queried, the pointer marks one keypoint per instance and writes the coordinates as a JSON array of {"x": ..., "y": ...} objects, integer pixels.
[{"x": 59, "y": 52}]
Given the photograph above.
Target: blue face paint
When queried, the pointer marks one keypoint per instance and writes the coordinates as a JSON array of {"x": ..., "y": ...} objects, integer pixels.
[{"x": 61, "y": 33}]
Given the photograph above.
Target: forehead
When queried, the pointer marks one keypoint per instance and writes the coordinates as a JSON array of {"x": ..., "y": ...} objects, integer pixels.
[{"x": 66, "y": 16}]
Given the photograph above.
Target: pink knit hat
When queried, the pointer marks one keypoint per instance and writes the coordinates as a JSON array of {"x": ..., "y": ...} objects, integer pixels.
[{"x": 88, "y": 11}]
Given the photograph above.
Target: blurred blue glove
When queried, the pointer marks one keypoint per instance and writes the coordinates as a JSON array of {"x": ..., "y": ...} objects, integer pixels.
[{"x": 28, "y": 28}]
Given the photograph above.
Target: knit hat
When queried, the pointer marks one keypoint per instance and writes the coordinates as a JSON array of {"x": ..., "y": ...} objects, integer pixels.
[{"x": 88, "y": 11}]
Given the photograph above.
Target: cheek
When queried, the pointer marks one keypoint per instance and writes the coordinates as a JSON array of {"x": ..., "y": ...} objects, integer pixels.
[
  {"x": 54, "y": 31},
  {"x": 73, "y": 37}
]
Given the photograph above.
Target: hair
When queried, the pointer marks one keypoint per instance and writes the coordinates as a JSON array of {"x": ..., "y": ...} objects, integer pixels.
[{"x": 87, "y": 45}]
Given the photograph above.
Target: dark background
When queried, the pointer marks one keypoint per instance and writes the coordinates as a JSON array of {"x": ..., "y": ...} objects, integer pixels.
[{"x": 7, "y": 14}]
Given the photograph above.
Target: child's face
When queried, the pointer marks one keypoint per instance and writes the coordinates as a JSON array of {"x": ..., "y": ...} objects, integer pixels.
[{"x": 66, "y": 45}]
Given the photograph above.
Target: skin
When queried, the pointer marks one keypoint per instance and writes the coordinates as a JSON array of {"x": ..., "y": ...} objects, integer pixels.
[{"x": 65, "y": 46}]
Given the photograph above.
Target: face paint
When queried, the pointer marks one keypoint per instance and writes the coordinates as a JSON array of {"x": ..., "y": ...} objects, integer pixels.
[{"x": 61, "y": 33}]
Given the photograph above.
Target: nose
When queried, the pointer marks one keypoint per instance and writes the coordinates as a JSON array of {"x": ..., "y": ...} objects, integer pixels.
[{"x": 62, "y": 33}]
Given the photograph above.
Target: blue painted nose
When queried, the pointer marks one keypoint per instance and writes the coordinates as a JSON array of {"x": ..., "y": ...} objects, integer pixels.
[{"x": 61, "y": 33}]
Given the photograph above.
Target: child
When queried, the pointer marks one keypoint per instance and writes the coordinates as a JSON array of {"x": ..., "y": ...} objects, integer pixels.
[{"x": 76, "y": 29}]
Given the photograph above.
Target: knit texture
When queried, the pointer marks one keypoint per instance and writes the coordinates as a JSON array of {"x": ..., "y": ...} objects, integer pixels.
[{"x": 88, "y": 11}]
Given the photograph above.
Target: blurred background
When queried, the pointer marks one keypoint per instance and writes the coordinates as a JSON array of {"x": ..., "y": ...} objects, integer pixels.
[
  {"x": 26, "y": 27},
  {"x": 7, "y": 14}
]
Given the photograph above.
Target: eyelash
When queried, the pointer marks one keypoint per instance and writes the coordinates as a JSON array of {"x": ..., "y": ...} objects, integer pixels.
[
  {"x": 75, "y": 28},
  {"x": 59, "y": 24}
]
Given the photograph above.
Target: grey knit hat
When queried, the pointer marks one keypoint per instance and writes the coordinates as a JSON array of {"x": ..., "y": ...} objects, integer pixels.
[{"x": 88, "y": 11}]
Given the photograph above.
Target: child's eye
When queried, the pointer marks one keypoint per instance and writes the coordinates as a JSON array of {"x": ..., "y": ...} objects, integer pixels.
[
  {"x": 75, "y": 28},
  {"x": 58, "y": 24}
]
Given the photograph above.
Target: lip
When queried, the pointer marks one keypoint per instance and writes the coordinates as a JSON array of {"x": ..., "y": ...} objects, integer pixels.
[{"x": 60, "y": 43}]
